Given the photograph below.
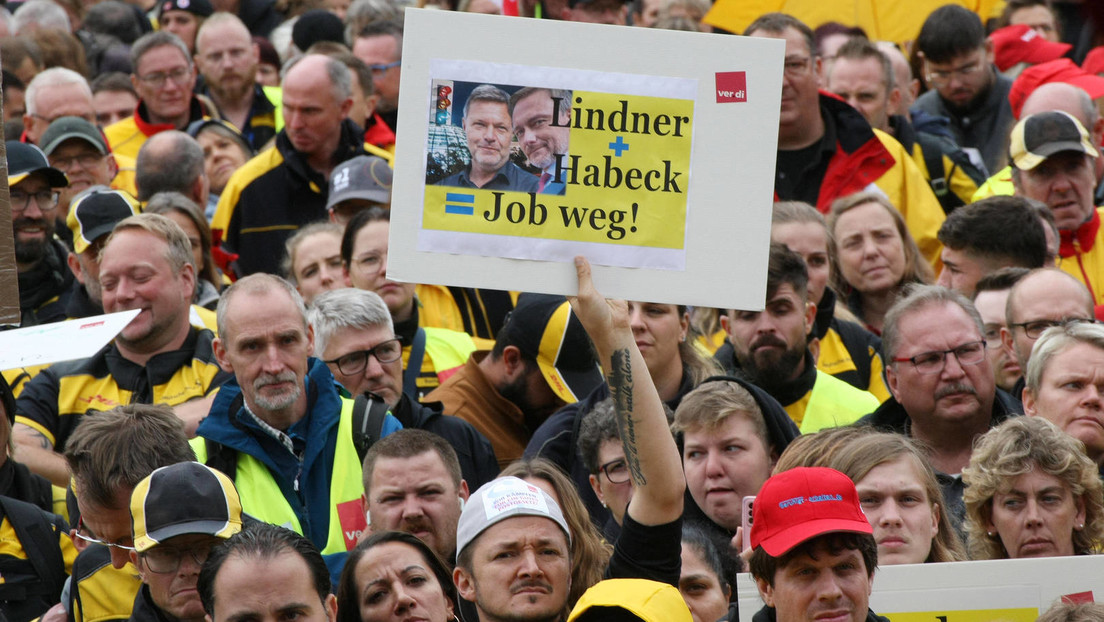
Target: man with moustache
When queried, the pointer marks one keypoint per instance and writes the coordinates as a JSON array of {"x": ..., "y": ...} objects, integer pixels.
[
  {"x": 280, "y": 429},
  {"x": 770, "y": 349},
  {"x": 227, "y": 59},
  {"x": 285, "y": 186},
  {"x": 542, "y": 119},
  {"x": 159, "y": 357},
  {"x": 489, "y": 130},
  {"x": 40, "y": 258},
  {"x": 943, "y": 390}
]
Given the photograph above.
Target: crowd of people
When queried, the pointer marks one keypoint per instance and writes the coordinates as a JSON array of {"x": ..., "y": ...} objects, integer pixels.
[{"x": 284, "y": 432}]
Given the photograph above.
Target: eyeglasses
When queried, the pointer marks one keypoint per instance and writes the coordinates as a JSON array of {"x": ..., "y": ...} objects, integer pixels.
[
  {"x": 1035, "y": 328},
  {"x": 970, "y": 353},
  {"x": 93, "y": 540},
  {"x": 617, "y": 472},
  {"x": 157, "y": 80},
  {"x": 992, "y": 337},
  {"x": 381, "y": 68},
  {"x": 940, "y": 77},
  {"x": 46, "y": 200},
  {"x": 166, "y": 560},
  {"x": 354, "y": 362},
  {"x": 86, "y": 160}
]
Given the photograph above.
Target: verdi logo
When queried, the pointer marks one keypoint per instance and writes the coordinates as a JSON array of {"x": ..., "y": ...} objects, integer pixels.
[{"x": 731, "y": 87}]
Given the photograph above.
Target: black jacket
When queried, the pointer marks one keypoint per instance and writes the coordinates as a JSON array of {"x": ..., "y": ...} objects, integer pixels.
[
  {"x": 768, "y": 614},
  {"x": 44, "y": 289},
  {"x": 478, "y": 464},
  {"x": 891, "y": 417}
]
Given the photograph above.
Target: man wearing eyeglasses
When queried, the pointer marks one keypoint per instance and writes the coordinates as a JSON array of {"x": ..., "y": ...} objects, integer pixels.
[
  {"x": 173, "y": 539},
  {"x": 965, "y": 86},
  {"x": 79, "y": 149},
  {"x": 55, "y": 93},
  {"x": 828, "y": 150},
  {"x": 164, "y": 78},
  {"x": 280, "y": 428},
  {"x": 40, "y": 258},
  {"x": 355, "y": 336},
  {"x": 104, "y": 583},
  {"x": 1042, "y": 299},
  {"x": 379, "y": 45},
  {"x": 944, "y": 394}
]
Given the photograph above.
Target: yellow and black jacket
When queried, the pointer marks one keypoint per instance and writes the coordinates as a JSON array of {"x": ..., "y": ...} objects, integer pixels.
[
  {"x": 54, "y": 400},
  {"x": 99, "y": 592},
  {"x": 36, "y": 556},
  {"x": 272, "y": 195}
]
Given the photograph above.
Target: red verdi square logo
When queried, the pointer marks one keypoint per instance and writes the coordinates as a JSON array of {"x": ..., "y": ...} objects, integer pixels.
[{"x": 731, "y": 86}]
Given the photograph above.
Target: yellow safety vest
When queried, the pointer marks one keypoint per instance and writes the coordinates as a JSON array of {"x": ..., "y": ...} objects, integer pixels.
[
  {"x": 262, "y": 499},
  {"x": 830, "y": 404}
]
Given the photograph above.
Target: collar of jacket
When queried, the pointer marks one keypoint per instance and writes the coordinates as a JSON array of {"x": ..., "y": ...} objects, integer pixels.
[
  {"x": 1084, "y": 235},
  {"x": 349, "y": 145},
  {"x": 323, "y": 407},
  {"x": 148, "y": 128}
]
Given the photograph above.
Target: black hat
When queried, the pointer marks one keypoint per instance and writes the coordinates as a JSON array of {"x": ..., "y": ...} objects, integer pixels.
[
  {"x": 183, "y": 498},
  {"x": 202, "y": 8},
  {"x": 1039, "y": 136},
  {"x": 24, "y": 159},
  {"x": 317, "y": 25},
  {"x": 543, "y": 327},
  {"x": 65, "y": 128},
  {"x": 95, "y": 212}
]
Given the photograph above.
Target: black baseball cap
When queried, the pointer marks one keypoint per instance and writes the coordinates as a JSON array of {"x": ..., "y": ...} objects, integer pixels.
[
  {"x": 543, "y": 327},
  {"x": 24, "y": 159}
]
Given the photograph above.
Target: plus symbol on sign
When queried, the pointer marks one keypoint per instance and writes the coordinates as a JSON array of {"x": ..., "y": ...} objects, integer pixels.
[{"x": 619, "y": 145}]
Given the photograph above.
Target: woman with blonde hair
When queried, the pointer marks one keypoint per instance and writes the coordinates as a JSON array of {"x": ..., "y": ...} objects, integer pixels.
[
  {"x": 1032, "y": 492},
  {"x": 897, "y": 487},
  {"x": 874, "y": 255}
]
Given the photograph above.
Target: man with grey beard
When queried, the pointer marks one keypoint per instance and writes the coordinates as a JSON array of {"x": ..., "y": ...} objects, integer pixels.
[{"x": 280, "y": 428}]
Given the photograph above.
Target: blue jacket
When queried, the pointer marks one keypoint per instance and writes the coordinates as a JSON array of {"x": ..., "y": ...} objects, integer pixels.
[{"x": 304, "y": 481}]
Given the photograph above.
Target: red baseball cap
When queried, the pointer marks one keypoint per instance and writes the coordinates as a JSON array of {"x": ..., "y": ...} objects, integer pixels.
[
  {"x": 1061, "y": 70},
  {"x": 803, "y": 503},
  {"x": 1022, "y": 44}
]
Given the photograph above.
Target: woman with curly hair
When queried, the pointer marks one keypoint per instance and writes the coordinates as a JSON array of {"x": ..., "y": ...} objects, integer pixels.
[{"x": 1032, "y": 492}]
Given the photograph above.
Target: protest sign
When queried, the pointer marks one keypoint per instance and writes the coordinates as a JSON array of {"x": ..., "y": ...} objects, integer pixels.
[
  {"x": 9, "y": 275},
  {"x": 1007, "y": 590},
  {"x": 513, "y": 159},
  {"x": 60, "y": 341}
]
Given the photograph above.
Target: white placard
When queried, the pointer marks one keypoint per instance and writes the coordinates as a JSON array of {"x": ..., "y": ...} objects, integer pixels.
[
  {"x": 1010, "y": 590},
  {"x": 665, "y": 183},
  {"x": 61, "y": 341}
]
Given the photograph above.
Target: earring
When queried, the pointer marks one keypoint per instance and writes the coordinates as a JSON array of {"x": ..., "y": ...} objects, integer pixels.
[
  {"x": 991, "y": 534},
  {"x": 604, "y": 505}
]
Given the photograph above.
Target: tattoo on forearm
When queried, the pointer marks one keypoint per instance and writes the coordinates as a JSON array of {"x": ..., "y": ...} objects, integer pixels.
[{"x": 621, "y": 388}]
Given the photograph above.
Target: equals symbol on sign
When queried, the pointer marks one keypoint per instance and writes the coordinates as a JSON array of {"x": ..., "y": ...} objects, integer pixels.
[{"x": 452, "y": 201}]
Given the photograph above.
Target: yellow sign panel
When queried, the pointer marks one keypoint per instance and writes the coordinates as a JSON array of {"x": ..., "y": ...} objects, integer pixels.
[
  {"x": 625, "y": 180},
  {"x": 1022, "y": 614}
]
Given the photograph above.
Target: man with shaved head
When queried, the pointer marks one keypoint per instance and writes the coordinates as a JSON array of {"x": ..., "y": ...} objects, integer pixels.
[
  {"x": 1044, "y": 298},
  {"x": 285, "y": 186}
]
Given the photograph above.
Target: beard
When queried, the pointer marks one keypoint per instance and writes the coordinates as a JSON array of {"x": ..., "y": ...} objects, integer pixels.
[
  {"x": 773, "y": 368},
  {"x": 233, "y": 91},
  {"x": 281, "y": 401},
  {"x": 32, "y": 251}
]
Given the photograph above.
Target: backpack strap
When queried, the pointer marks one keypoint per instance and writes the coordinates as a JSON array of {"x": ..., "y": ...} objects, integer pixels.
[
  {"x": 414, "y": 364},
  {"x": 369, "y": 412},
  {"x": 36, "y": 532}
]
